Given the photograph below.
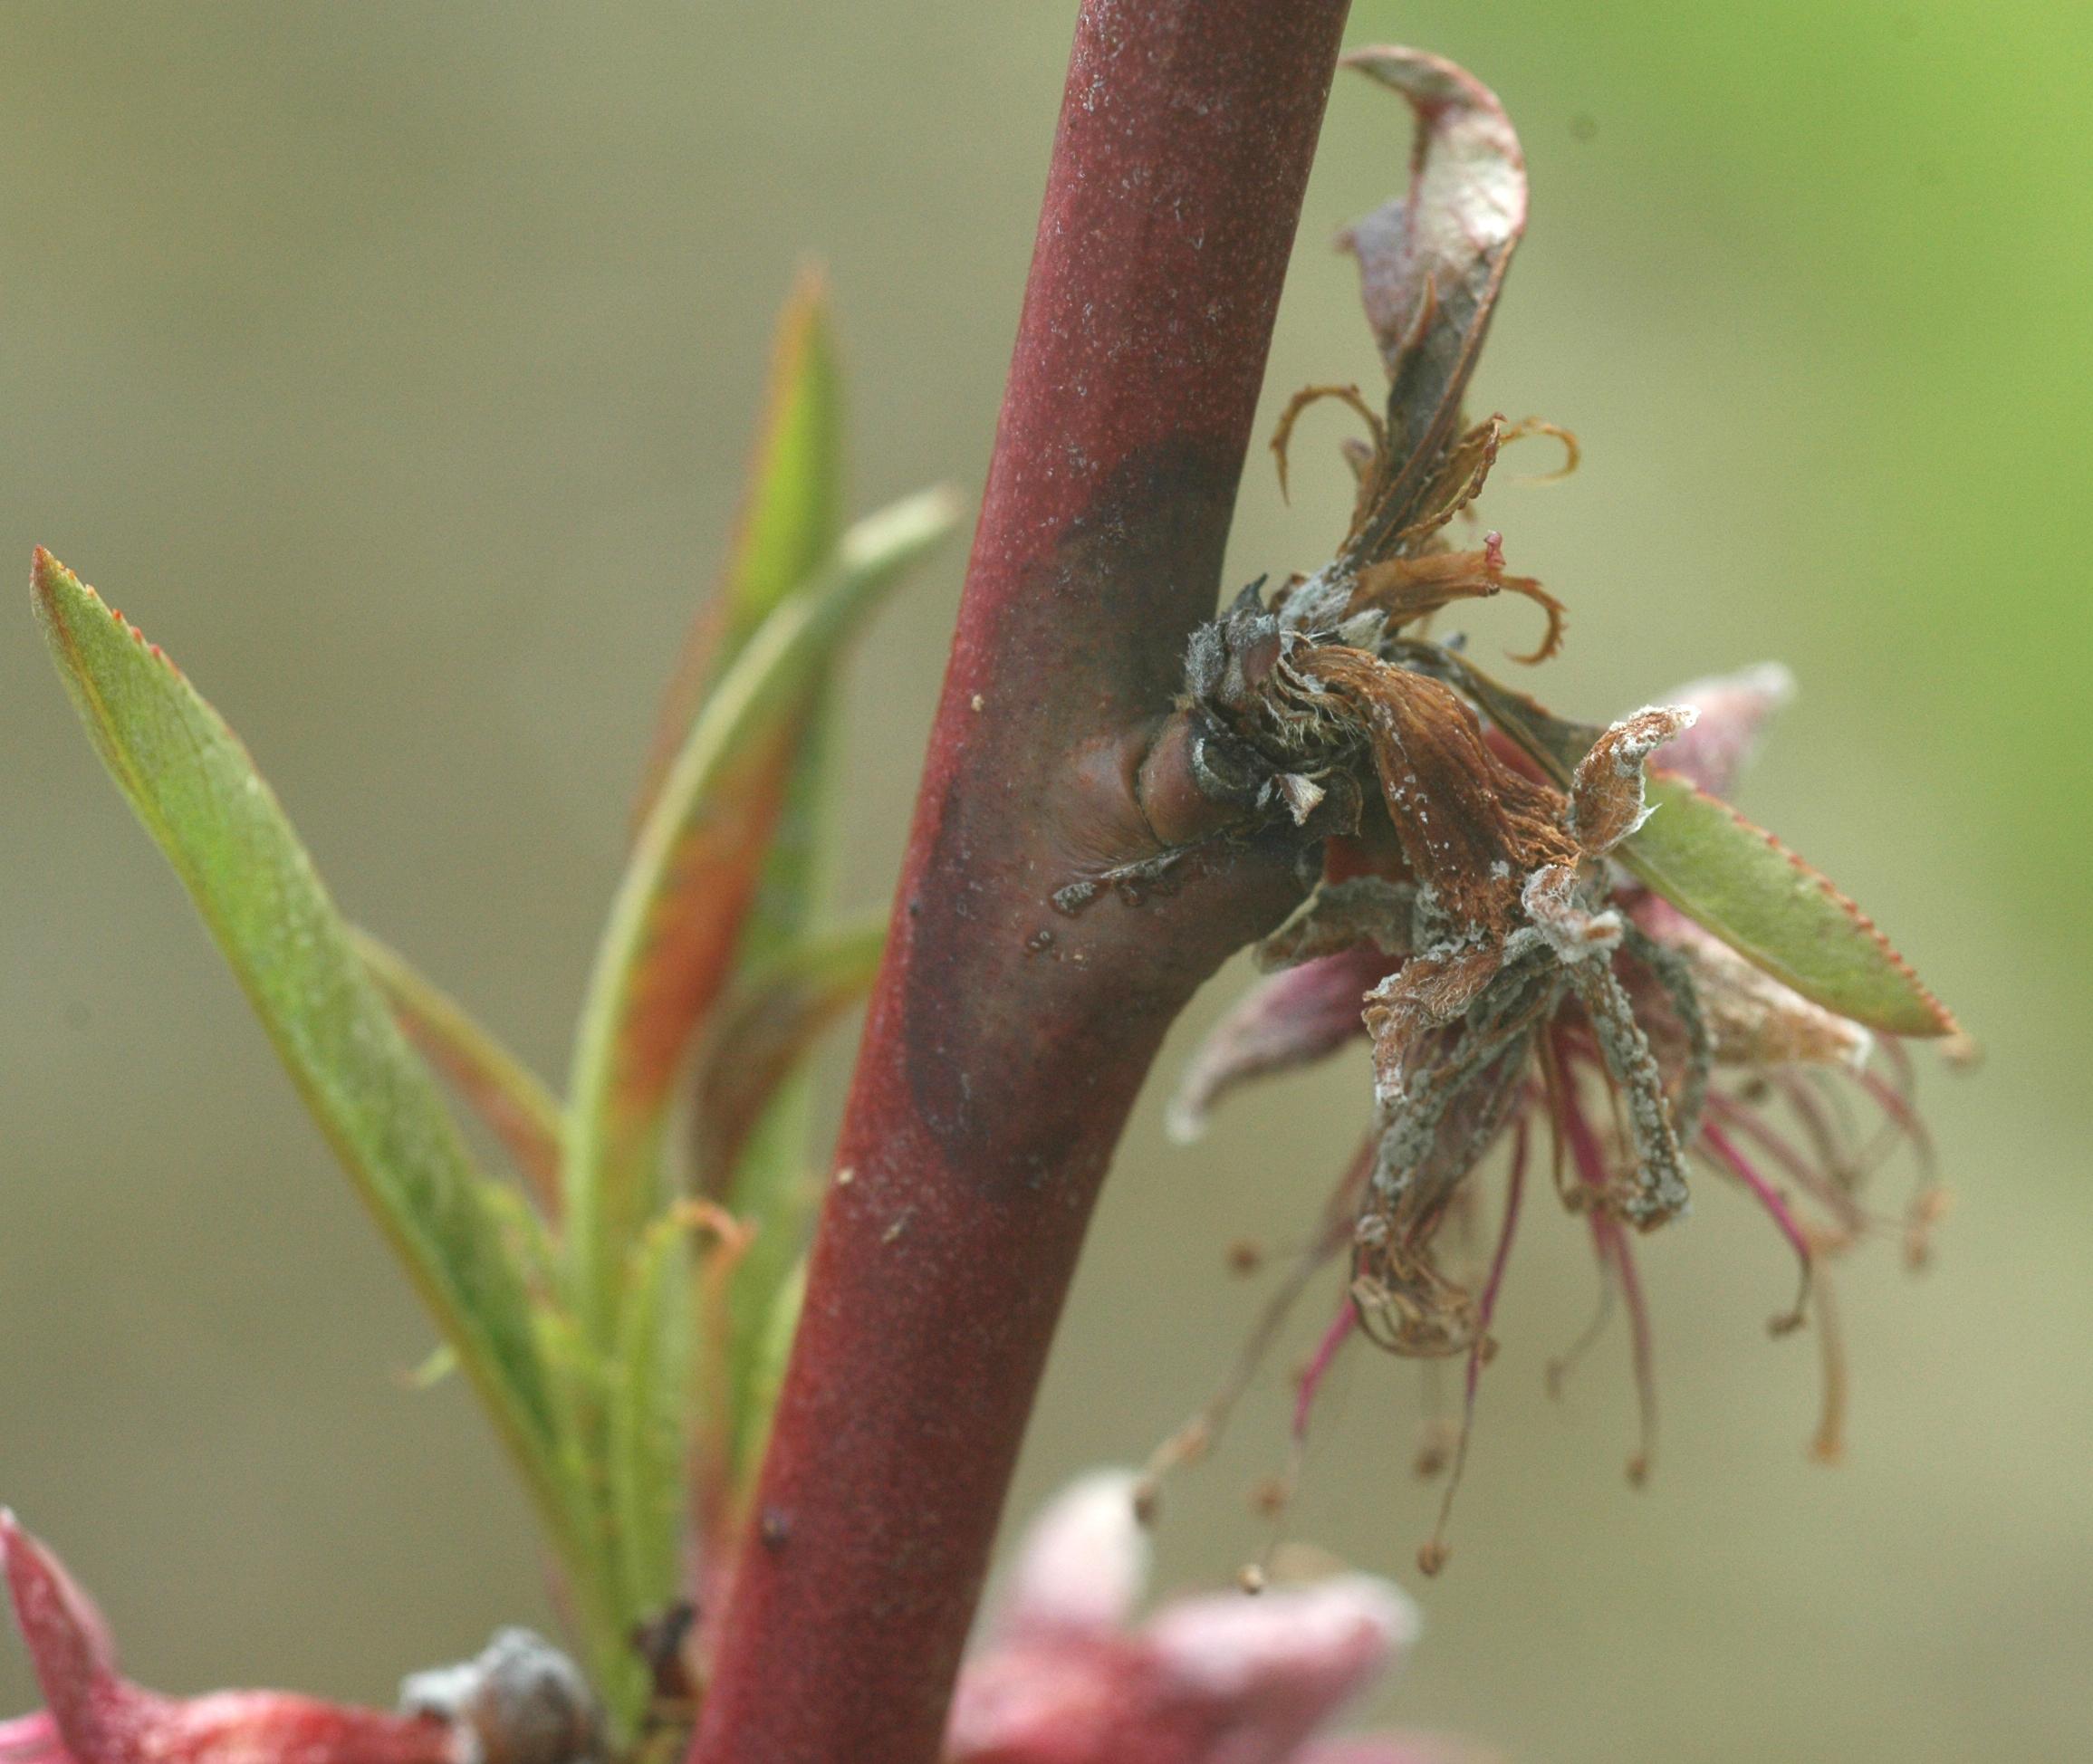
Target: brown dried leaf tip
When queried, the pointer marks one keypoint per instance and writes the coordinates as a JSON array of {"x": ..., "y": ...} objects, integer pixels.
[{"x": 1480, "y": 918}]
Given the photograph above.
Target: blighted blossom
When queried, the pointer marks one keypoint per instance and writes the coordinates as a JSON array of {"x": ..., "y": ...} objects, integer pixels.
[
  {"x": 1066, "y": 1676},
  {"x": 1554, "y": 934},
  {"x": 522, "y": 1701}
]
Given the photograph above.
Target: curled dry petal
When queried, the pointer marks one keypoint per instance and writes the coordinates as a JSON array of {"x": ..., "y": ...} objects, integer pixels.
[
  {"x": 1427, "y": 993},
  {"x": 1406, "y": 588},
  {"x": 1752, "y": 1020},
  {"x": 1431, "y": 263},
  {"x": 1291, "y": 1019},
  {"x": 1606, "y": 794}
]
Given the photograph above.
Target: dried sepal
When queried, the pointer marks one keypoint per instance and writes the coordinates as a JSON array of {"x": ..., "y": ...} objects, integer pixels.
[
  {"x": 1607, "y": 800},
  {"x": 1471, "y": 829},
  {"x": 1652, "y": 1185},
  {"x": 1343, "y": 915}
]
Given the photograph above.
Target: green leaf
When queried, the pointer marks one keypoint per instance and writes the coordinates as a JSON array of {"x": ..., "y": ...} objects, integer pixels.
[
  {"x": 650, "y": 1418},
  {"x": 498, "y": 1087},
  {"x": 1744, "y": 886},
  {"x": 791, "y": 513},
  {"x": 195, "y": 788},
  {"x": 792, "y": 518},
  {"x": 672, "y": 934},
  {"x": 440, "y": 1363},
  {"x": 1732, "y": 878}
]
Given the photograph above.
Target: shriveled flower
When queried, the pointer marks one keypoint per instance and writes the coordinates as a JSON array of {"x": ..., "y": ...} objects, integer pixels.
[
  {"x": 1550, "y": 924},
  {"x": 1064, "y": 1677},
  {"x": 521, "y": 1702}
]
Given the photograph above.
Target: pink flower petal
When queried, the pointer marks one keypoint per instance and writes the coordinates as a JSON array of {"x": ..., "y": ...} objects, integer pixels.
[
  {"x": 1084, "y": 1564},
  {"x": 95, "y": 1717},
  {"x": 1283, "y": 1662},
  {"x": 69, "y": 1643},
  {"x": 1067, "y": 1702},
  {"x": 1291, "y": 1018},
  {"x": 1733, "y": 710},
  {"x": 1394, "y": 1748},
  {"x": 32, "y": 1740}
]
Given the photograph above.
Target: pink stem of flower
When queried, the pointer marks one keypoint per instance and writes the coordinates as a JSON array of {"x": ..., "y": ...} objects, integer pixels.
[
  {"x": 1820, "y": 1187},
  {"x": 1897, "y": 1106},
  {"x": 1776, "y": 1208},
  {"x": 1486, "y": 1306},
  {"x": 1320, "y": 1363}
]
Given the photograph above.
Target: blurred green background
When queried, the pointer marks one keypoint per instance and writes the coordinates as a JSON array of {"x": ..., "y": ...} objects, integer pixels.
[{"x": 392, "y": 363}]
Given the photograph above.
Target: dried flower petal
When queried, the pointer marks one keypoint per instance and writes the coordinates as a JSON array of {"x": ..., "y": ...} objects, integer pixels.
[
  {"x": 1431, "y": 261},
  {"x": 1293, "y": 1019},
  {"x": 1471, "y": 829},
  {"x": 1606, "y": 793}
]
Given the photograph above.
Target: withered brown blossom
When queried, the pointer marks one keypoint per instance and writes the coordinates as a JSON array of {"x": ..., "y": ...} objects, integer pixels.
[{"x": 1487, "y": 914}]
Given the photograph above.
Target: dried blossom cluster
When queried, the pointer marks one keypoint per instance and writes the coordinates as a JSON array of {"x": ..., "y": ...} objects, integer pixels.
[{"x": 1491, "y": 913}]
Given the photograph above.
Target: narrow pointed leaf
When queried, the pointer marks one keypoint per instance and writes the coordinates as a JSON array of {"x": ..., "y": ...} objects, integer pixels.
[
  {"x": 1729, "y": 877},
  {"x": 764, "y": 1376},
  {"x": 791, "y": 517},
  {"x": 649, "y": 1419},
  {"x": 497, "y": 1087},
  {"x": 791, "y": 513},
  {"x": 194, "y": 786},
  {"x": 670, "y": 943},
  {"x": 763, "y": 1031},
  {"x": 753, "y": 1055}
]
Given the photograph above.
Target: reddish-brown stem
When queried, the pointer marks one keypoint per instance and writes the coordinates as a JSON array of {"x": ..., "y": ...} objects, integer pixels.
[{"x": 1005, "y": 1042}]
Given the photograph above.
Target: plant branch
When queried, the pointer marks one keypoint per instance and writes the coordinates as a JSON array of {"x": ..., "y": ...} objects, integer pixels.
[{"x": 1007, "y": 1041}]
